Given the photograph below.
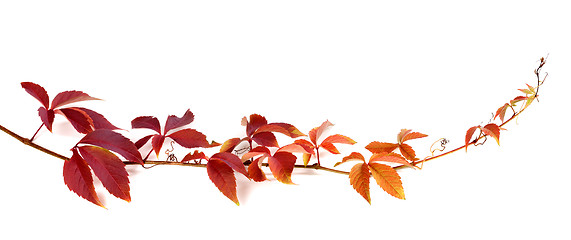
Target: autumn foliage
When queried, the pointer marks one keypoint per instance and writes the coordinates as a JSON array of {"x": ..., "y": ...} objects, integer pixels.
[{"x": 103, "y": 152}]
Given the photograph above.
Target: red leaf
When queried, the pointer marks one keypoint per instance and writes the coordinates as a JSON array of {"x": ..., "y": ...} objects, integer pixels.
[
  {"x": 406, "y": 135},
  {"x": 256, "y": 172},
  {"x": 194, "y": 156},
  {"x": 338, "y": 138},
  {"x": 68, "y": 97},
  {"x": 267, "y": 139},
  {"x": 297, "y": 148},
  {"x": 388, "y": 179},
  {"x": 283, "y": 128},
  {"x": 354, "y": 156},
  {"x": 78, "y": 119},
  {"x": 77, "y": 177},
  {"x": 230, "y": 144},
  {"x": 109, "y": 169},
  {"x": 174, "y": 122},
  {"x": 141, "y": 142},
  {"x": 492, "y": 130},
  {"x": 99, "y": 121},
  {"x": 255, "y": 122},
  {"x": 223, "y": 178},
  {"x": 157, "y": 143},
  {"x": 37, "y": 92},
  {"x": 115, "y": 142},
  {"x": 359, "y": 177},
  {"x": 257, "y": 151},
  {"x": 147, "y": 122},
  {"x": 501, "y": 112},
  {"x": 379, "y": 147},
  {"x": 315, "y": 133},
  {"x": 190, "y": 138},
  {"x": 469, "y": 135},
  {"x": 390, "y": 157},
  {"x": 329, "y": 147},
  {"x": 47, "y": 117},
  {"x": 281, "y": 166},
  {"x": 231, "y": 160}
]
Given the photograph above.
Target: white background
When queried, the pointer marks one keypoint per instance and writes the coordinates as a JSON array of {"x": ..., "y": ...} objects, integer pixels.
[{"x": 370, "y": 67}]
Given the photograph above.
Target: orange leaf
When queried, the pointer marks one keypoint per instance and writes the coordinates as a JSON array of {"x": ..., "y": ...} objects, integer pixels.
[
  {"x": 257, "y": 151},
  {"x": 501, "y": 112},
  {"x": 390, "y": 157},
  {"x": 407, "y": 152},
  {"x": 379, "y": 147},
  {"x": 283, "y": 128},
  {"x": 315, "y": 133},
  {"x": 388, "y": 179},
  {"x": 354, "y": 156},
  {"x": 297, "y": 148},
  {"x": 281, "y": 165},
  {"x": 338, "y": 138},
  {"x": 359, "y": 177},
  {"x": 407, "y": 134},
  {"x": 469, "y": 135},
  {"x": 197, "y": 155},
  {"x": 492, "y": 130},
  {"x": 223, "y": 178},
  {"x": 329, "y": 147}
]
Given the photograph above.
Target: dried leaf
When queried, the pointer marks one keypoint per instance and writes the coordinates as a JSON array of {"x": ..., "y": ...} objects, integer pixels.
[
  {"x": 388, "y": 179},
  {"x": 223, "y": 178},
  {"x": 109, "y": 169},
  {"x": 77, "y": 176},
  {"x": 359, "y": 177}
]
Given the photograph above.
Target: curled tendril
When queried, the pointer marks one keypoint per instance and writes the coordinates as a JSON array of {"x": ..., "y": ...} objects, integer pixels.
[
  {"x": 171, "y": 157},
  {"x": 481, "y": 143},
  {"x": 443, "y": 142},
  {"x": 242, "y": 150}
]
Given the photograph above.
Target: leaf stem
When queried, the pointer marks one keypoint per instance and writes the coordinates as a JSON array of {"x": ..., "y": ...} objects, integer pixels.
[{"x": 32, "y": 139}]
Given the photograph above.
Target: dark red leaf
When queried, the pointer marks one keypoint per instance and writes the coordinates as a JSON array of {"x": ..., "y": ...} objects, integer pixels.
[
  {"x": 223, "y": 178},
  {"x": 231, "y": 160},
  {"x": 255, "y": 122},
  {"x": 47, "y": 117},
  {"x": 68, "y": 97},
  {"x": 109, "y": 169},
  {"x": 99, "y": 121},
  {"x": 256, "y": 172},
  {"x": 267, "y": 139},
  {"x": 37, "y": 92},
  {"x": 141, "y": 142},
  {"x": 174, "y": 122},
  {"x": 190, "y": 138},
  {"x": 78, "y": 119},
  {"x": 115, "y": 142},
  {"x": 147, "y": 122},
  {"x": 157, "y": 143},
  {"x": 281, "y": 165},
  {"x": 77, "y": 177}
]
